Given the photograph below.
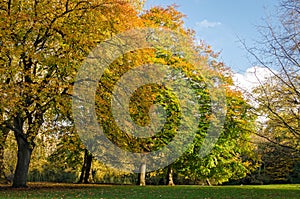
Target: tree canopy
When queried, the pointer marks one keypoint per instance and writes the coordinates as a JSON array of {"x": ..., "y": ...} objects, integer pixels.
[{"x": 43, "y": 46}]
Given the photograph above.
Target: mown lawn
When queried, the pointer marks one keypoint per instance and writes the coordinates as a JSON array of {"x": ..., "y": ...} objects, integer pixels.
[{"x": 50, "y": 190}]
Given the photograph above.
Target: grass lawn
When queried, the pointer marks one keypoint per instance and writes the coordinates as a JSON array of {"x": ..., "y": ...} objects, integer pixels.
[{"x": 51, "y": 190}]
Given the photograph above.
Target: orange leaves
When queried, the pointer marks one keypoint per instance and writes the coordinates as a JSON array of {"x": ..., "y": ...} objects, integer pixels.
[{"x": 164, "y": 17}]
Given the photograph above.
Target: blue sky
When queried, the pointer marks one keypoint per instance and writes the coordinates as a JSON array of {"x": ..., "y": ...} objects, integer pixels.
[{"x": 222, "y": 22}]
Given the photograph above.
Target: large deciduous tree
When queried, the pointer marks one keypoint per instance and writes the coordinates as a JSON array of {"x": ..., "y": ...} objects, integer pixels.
[
  {"x": 278, "y": 98},
  {"x": 231, "y": 158},
  {"x": 167, "y": 18},
  {"x": 42, "y": 43}
]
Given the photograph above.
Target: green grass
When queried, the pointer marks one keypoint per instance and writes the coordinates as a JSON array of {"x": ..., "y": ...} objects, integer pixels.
[{"x": 50, "y": 190}]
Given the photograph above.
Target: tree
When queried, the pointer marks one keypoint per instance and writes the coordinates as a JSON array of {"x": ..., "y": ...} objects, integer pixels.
[
  {"x": 279, "y": 164},
  {"x": 86, "y": 167},
  {"x": 67, "y": 159},
  {"x": 233, "y": 155},
  {"x": 280, "y": 107},
  {"x": 278, "y": 98},
  {"x": 139, "y": 106},
  {"x": 42, "y": 45},
  {"x": 233, "y": 143}
]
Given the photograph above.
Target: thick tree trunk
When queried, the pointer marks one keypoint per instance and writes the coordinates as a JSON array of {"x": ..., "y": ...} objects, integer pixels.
[
  {"x": 24, "y": 155},
  {"x": 83, "y": 167},
  {"x": 142, "y": 175},
  {"x": 88, "y": 166},
  {"x": 170, "y": 181}
]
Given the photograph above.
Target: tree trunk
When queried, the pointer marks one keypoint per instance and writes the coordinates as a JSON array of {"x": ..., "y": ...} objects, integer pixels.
[
  {"x": 170, "y": 176},
  {"x": 3, "y": 136},
  {"x": 88, "y": 166},
  {"x": 24, "y": 155},
  {"x": 83, "y": 167},
  {"x": 208, "y": 182},
  {"x": 142, "y": 175}
]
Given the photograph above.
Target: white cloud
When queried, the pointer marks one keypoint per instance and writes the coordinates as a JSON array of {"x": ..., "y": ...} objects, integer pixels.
[
  {"x": 207, "y": 24},
  {"x": 251, "y": 78},
  {"x": 248, "y": 81}
]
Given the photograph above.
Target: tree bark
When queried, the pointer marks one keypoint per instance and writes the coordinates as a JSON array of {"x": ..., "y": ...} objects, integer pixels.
[
  {"x": 170, "y": 181},
  {"x": 142, "y": 175},
  {"x": 208, "y": 182},
  {"x": 86, "y": 167},
  {"x": 89, "y": 159},
  {"x": 24, "y": 155},
  {"x": 83, "y": 167}
]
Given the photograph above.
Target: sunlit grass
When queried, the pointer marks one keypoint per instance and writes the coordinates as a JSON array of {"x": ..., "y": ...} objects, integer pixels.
[{"x": 51, "y": 190}]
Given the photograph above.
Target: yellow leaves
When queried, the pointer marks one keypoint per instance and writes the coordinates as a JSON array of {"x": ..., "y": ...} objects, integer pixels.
[
  {"x": 44, "y": 42},
  {"x": 164, "y": 17}
]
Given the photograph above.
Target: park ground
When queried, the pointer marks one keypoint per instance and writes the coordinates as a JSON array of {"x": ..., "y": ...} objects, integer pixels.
[{"x": 52, "y": 190}]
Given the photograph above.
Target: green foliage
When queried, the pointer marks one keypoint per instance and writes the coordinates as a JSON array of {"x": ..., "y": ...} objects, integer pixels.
[
  {"x": 278, "y": 165},
  {"x": 42, "y": 45},
  {"x": 233, "y": 155}
]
